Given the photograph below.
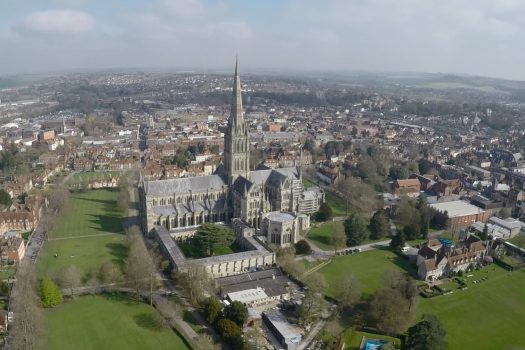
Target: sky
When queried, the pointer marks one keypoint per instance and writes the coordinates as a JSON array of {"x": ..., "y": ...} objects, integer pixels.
[{"x": 480, "y": 37}]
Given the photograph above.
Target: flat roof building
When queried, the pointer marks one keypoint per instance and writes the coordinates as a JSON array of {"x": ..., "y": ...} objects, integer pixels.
[
  {"x": 459, "y": 213},
  {"x": 288, "y": 335}
]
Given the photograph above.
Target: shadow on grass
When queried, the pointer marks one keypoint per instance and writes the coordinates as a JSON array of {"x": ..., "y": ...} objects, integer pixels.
[
  {"x": 107, "y": 223},
  {"x": 400, "y": 261},
  {"x": 119, "y": 252},
  {"x": 148, "y": 321},
  {"x": 189, "y": 318},
  {"x": 319, "y": 238}
]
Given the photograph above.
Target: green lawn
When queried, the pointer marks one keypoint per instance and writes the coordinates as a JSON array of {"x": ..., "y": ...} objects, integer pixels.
[
  {"x": 320, "y": 234},
  {"x": 307, "y": 183},
  {"x": 87, "y": 235},
  {"x": 191, "y": 252},
  {"x": 353, "y": 339},
  {"x": 369, "y": 267},
  {"x": 487, "y": 315},
  {"x": 337, "y": 204},
  {"x": 92, "y": 212},
  {"x": 104, "y": 322}
]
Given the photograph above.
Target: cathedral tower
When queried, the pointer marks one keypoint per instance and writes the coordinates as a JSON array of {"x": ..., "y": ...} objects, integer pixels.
[{"x": 236, "y": 143}]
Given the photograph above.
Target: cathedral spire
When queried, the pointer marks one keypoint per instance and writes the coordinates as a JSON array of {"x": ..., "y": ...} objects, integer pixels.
[
  {"x": 236, "y": 141},
  {"x": 236, "y": 117}
]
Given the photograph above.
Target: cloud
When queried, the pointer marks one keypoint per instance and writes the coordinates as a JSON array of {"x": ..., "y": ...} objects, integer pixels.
[
  {"x": 324, "y": 36},
  {"x": 229, "y": 29},
  {"x": 184, "y": 8},
  {"x": 57, "y": 22}
]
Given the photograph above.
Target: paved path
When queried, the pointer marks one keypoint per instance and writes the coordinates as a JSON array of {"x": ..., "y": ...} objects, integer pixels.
[
  {"x": 325, "y": 254},
  {"x": 311, "y": 335}
]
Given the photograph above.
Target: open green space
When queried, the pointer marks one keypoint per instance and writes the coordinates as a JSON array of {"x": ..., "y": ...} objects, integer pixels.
[
  {"x": 321, "y": 233},
  {"x": 353, "y": 339},
  {"x": 86, "y": 235},
  {"x": 369, "y": 267},
  {"x": 487, "y": 315},
  {"x": 337, "y": 204},
  {"x": 307, "y": 183},
  {"x": 108, "y": 322},
  {"x": 92, "y": 212}
]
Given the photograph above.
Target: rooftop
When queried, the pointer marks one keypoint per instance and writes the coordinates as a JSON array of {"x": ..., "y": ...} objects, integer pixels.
[
  {"x": 280, "y": 217},
  {"x": 456, "y": 208},
  {"x": 248, "y": 295}
]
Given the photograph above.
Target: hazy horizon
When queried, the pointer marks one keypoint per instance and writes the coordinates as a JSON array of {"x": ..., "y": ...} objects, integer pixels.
[{"x": 465, "y": 37}]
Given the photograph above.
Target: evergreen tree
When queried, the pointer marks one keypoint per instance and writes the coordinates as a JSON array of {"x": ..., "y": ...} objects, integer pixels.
[
  {"x": 324, "y": 213},
  {"x": 485, "y": 234},
  {"x": 302, "y": 247},
  {"x": 398, "y": 241},
  {"x": 5, "y": 198},
  {"x": 212, "y": 309},
  {"x": 209, "y": 237},
  {"x": 237, "y": 312},
  {"x": 428, "y": 334},
  {"x": 378, "y": 224},
  {"x": 355, "y": 230}
]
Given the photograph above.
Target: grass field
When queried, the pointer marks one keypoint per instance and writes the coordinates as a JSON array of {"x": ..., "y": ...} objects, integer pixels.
[
  {"x": 106, "y": 322},
  {"x": 337, "y": 204},
  {"x": 320, "y": 234},
  {"x": 353, "y": 339},
  {"x": 191, "y": 252},
  {"x": 487, "y": 315},
  {"x": 369, "y": 267},
  {"x": 87, "y": 235}
]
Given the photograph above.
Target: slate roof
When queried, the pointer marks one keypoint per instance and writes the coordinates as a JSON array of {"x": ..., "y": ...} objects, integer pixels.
[
  {"x": 184, "y": 208},
  {"x": 271, "y": 177},
  {"x": 182, "y": 185}
]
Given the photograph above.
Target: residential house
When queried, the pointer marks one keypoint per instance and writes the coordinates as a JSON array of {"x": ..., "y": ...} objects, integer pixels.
[
  {"x": 408, "y": 187},
  {"x": 436, "y": 259}
]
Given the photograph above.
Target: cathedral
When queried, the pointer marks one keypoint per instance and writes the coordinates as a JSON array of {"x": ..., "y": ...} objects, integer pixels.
[{"x": 234, "y": 191}]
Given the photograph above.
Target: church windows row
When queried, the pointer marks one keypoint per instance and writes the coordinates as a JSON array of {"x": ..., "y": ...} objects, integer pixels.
[
  {"x": 191, "y": 220},
  {"x": 185, "y": 199}
]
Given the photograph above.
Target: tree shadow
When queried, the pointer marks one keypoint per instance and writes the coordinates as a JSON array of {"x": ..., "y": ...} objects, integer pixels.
[
  {"x": 119, "y": 252},
  {"x": 109, "y": 205},
  {"x": 402, "y": 262},
  {"x": 107, "y": 223},
  {"x": 147, "y": 321}
]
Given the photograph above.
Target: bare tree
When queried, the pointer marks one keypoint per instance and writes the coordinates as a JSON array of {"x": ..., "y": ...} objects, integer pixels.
[
  {"x": 338, "y": 238},
  {"x": 290, "y": 265},
  {"x": 140, "y": 270},
  {"x": 70, "y": 278},
  {"x": 58, "y": 199},
  {"x": 197, "y": 282},
  {"x": 28, "y": 328},
  {"x": 123, "y": 198},
  {"x": 317, "y": 282},
  {"x": 205, "y": 342},
  {"x": 348, "y": 289},
  {"x": 110, "y": 273}
]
